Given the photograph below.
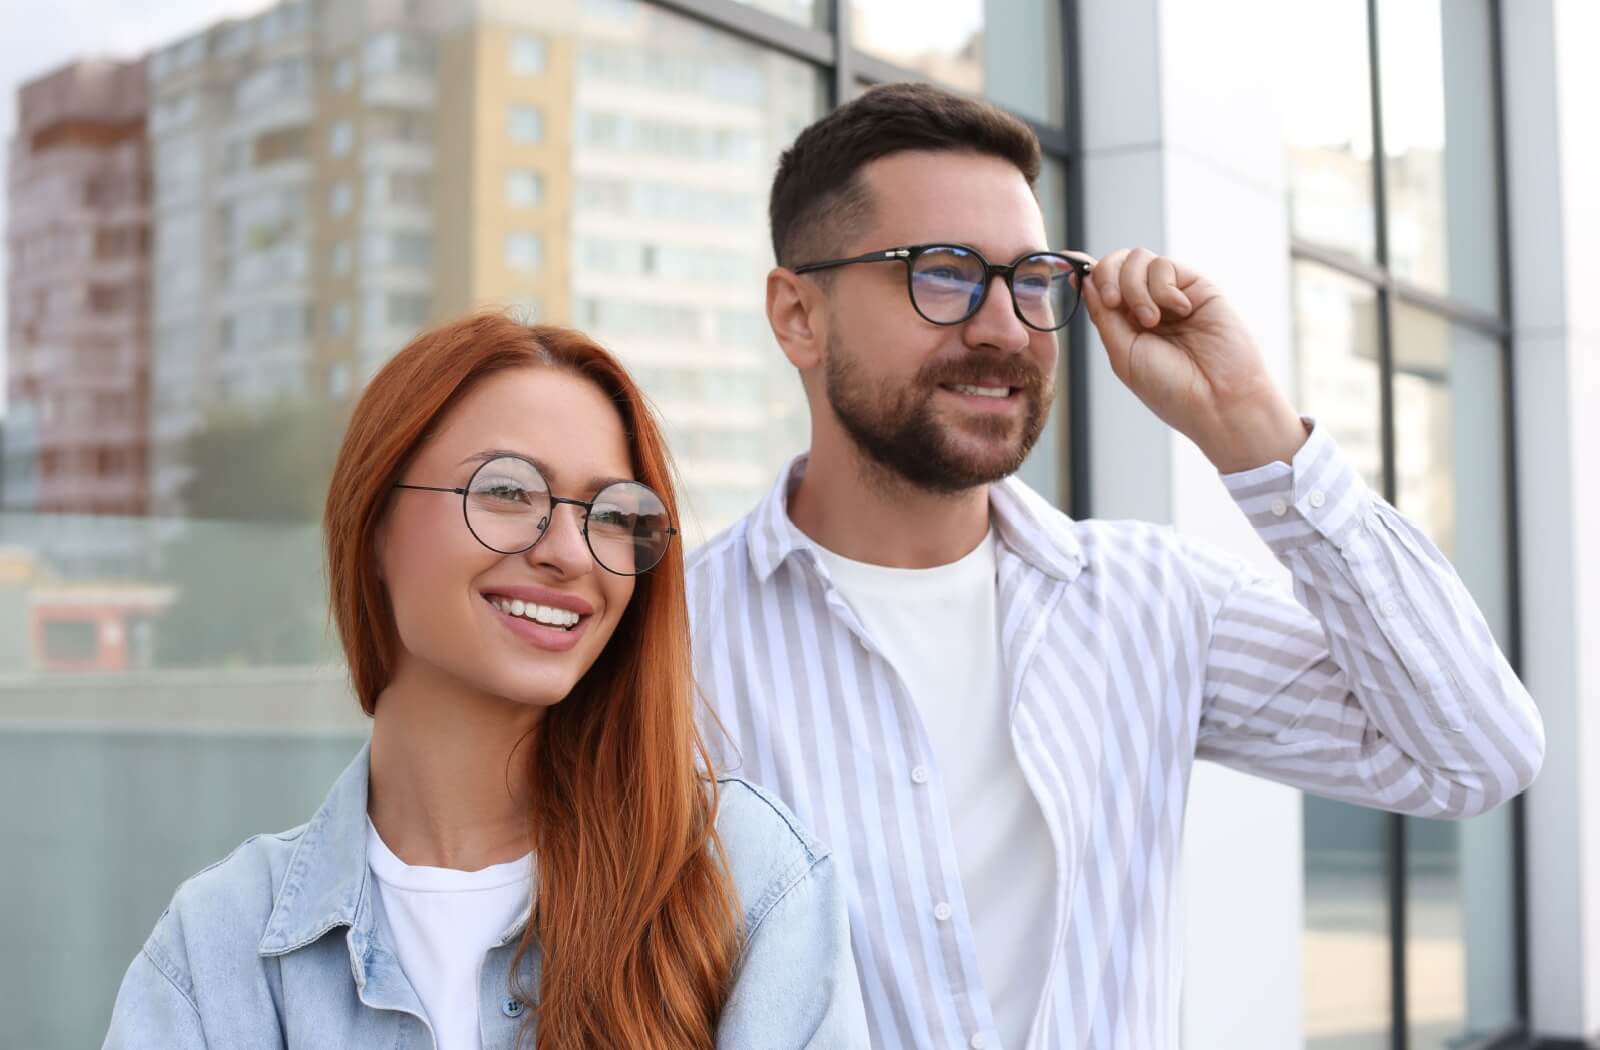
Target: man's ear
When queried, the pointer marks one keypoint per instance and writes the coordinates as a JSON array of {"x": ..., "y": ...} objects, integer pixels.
[{"x": 794, "y": 309}]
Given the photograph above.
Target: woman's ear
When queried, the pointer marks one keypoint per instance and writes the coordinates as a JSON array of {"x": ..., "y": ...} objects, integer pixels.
[{"x": 794, "y": 309}]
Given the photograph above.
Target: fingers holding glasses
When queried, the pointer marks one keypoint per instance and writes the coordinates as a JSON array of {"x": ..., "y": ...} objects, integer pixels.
[
  {"x": 1144, "y": 285},
  {"x": 1134, "y": 283},
  {"x": 1165, "y": 289}
]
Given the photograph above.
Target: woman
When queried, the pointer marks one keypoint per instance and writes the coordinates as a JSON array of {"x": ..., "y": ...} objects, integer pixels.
[{"x": 528, "y": 849}]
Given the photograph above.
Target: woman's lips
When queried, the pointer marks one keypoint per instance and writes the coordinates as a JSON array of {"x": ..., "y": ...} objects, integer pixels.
[{"x": 551, "y": 639}]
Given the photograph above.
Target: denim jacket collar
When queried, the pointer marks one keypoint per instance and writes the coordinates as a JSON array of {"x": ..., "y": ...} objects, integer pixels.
[{"x": 327, "y": 882}]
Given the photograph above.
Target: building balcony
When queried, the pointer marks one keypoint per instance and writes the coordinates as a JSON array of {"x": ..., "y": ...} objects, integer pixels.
[
  {"x": 265, "y": 178},
  {"x": 86, "y": 490},
  {"x": 279, "y": 111},
  {"x": 407, "y": 90},
  {"x": 406, "y": 156},
  {"x": 82, "y": 434}
]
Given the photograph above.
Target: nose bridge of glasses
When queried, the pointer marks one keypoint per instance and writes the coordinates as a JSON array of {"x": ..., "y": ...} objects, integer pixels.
[
  {"x": 1008, "y": 305},
  {"x": 580, "y": 512}
]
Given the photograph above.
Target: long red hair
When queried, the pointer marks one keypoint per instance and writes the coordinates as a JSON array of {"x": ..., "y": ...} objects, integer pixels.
[{"x": 637, "y": 920}]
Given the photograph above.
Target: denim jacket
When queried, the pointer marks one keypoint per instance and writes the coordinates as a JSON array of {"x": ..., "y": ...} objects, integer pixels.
[{"x": 278, "y": 945}]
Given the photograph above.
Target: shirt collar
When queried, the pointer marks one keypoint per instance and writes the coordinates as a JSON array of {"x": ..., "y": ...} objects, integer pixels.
[
  {"x": 1025, "y": 524},
  {"x": 327, "y": 881}
]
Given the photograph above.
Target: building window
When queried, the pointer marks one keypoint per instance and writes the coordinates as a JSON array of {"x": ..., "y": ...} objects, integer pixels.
[
  {"x": 408, "y": 311},
  {"x": 344, "y": 74},
  {"x": 340, "y": 138},
  {"x": 523, "y": 251},
  {"x": 71, "y": 641},
  {"x": 527, "y": 124},
  {"x": 339, "y": 320},
  {"x": 397, "y": 52},
  {"x": 527, "y": 55},
  {"x": 1400, "y": 348},
  {"x": 340, "y": 199},
  {"x": 397, "y": 248},
  {"x": 524, "y": 188},
  {"x": 339, "y": 258},
  {"x": 392, "y": 124}
]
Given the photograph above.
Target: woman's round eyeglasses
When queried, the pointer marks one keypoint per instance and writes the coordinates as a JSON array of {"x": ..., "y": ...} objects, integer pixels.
[{"x": 507, "y": 505}]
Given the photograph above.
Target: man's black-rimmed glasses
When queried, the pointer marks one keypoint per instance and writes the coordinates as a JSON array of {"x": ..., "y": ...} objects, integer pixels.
[{"x": 948, "y": 283}]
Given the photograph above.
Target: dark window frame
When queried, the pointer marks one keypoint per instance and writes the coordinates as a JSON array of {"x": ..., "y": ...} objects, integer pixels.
[
  {"x": 1393, "y": 291},
  {"x": 832, "y": 52}
]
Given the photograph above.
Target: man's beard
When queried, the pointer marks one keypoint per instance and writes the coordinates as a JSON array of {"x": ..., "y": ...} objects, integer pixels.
[{"x": 895, "y": 424}]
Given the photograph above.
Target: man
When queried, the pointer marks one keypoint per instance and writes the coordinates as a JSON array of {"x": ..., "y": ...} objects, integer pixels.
[{"x": 991, "y": 711}]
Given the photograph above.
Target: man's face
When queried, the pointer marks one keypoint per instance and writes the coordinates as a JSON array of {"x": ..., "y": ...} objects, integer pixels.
[{"x": 944, "y": 407}]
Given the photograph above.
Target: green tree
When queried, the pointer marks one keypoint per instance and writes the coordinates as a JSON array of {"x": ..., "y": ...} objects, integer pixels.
[{"x": 246, "y": 562}]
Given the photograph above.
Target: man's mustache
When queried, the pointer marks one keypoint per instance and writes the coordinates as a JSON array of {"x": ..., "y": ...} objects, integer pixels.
[{"x": 1012, "y": 371}]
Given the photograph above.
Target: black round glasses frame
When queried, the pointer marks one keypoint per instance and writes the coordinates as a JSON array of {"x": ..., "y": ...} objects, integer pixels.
[{"x": 910, "y": 253}]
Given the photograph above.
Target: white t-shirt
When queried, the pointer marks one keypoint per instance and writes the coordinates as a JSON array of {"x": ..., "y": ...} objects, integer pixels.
[
  {"x": 442, "y": 923},
  {"x": 939, "y": 628}
]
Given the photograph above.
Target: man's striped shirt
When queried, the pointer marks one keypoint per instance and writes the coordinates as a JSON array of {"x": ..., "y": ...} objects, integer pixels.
[{"x": 1130, "y": 652}]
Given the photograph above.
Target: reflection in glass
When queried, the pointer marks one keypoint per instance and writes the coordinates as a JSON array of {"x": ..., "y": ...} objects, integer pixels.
[
  {"x": 1346, "y": 937},
  {"x": 1336, "y": 363},
  {"x": 1460, "y": 930},
  {"x": 1436, "y": 68},
  {"x": 1451, "y": 479},
  {"x": 814, "y": 13},
  {"x": 1326, "y": 105},
  {"x": 197, "y": 307},
  {"x": 1008, "y": 51},
  {"x": 1345, "y": 943}
]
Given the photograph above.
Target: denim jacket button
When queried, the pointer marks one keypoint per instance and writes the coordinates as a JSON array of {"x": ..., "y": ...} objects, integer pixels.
[{"x": 511, "y": 1008}]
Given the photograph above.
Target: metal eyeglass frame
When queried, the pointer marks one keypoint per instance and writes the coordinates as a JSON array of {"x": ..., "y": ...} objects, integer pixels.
[
  {"x": 909, "y": 254},
  {"x": 544, "y": 528}
]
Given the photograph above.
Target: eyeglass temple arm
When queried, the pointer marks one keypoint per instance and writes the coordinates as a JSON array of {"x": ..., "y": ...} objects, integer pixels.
[{"x": 884, "y": 256}]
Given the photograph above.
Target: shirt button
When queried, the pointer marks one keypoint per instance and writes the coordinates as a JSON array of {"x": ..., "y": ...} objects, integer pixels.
[
  {"x": 942, "y": 911},
  {"x": 1391, "y": 609},
  {"x": 511, "y": 1007},
  {"x": 919, "y": 775},
  {"x": 1318, "y": 499},
  {"x": 1279, "y": 508},
  {"x": 979, "y": 1042}
]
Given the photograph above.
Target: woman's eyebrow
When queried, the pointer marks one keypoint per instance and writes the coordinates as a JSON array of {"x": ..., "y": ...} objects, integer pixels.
[{"x": 595, "y": 484}]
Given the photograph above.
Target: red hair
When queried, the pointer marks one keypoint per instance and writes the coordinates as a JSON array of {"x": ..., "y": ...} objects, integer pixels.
[{"x": 637, "y": 920}]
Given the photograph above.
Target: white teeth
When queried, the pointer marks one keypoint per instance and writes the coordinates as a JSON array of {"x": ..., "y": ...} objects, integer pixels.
[
  {"x": 982, "y": 391},
  {"x": 545, "y": 614}
]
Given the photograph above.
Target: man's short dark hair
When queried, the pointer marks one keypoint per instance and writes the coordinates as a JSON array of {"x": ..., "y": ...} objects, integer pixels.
[{"x": 818, "y": 192}]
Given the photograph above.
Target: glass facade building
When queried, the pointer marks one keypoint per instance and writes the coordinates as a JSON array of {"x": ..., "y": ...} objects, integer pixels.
[{"x": 211, "y": 246}]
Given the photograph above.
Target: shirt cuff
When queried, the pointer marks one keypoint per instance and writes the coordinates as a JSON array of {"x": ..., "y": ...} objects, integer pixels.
[{"x": 1320, "y": 495}]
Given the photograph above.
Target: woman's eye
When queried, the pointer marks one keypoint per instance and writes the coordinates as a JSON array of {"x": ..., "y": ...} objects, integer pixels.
[{"x": 507, "y": 492}]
